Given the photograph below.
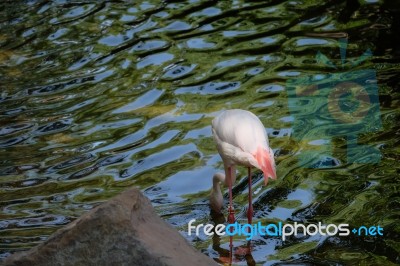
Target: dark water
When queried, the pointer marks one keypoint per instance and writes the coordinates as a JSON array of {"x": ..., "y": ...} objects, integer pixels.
[{"x": 100, "y": 96}]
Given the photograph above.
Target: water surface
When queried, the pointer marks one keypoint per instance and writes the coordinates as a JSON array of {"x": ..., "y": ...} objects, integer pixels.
[{"x": 100, "y": 96}]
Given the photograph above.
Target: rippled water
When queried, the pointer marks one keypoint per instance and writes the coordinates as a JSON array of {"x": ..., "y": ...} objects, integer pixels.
[{"x": 100, "y": 96}]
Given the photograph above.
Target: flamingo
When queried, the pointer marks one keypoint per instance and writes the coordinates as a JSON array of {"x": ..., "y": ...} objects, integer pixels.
[{"x": 241, "y": 140}]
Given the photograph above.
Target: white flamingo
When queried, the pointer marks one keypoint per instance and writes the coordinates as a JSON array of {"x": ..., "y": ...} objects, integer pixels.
[{"x": 241, "y": 140}]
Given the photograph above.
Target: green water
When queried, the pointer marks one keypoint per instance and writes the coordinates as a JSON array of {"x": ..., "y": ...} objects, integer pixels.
[{"x": 100, "y": 96}]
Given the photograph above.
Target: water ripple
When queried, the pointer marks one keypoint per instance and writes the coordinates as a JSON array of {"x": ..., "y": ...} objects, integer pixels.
[{"x": 96, "y": 97}]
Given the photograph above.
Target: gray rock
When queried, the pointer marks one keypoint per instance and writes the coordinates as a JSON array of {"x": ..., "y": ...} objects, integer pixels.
[{"x": 123, "y": 231}]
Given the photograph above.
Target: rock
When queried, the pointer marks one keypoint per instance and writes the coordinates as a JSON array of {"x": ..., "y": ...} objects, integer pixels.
[{"x": 123, "y": 231}]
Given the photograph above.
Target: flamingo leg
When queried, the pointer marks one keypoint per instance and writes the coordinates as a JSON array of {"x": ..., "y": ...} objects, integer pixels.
[
  {"x": 230, "y": 249},
  {"x": 250, "y": 209},
  {"x": 231, "y": 212}
]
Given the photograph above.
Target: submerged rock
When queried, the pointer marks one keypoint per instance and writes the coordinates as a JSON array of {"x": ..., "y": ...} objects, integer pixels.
[{"x": 123, "y": 231}]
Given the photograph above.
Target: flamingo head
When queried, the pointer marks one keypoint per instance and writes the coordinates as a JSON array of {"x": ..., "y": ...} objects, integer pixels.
[{"x": 266, "y": 162}]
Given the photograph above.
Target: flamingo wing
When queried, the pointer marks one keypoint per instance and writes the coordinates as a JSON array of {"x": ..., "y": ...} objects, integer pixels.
[{"x": 238, "y": 133}]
